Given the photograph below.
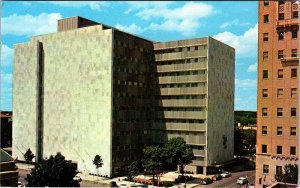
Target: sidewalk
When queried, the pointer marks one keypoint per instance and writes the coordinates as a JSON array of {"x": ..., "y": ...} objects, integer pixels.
[{"x": 24, "y": 166}]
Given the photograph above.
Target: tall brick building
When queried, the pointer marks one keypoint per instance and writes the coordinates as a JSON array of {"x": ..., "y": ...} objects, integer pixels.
[{"x": 277, "y": 111}]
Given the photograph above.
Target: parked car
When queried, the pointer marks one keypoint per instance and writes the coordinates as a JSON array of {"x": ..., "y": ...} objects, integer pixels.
[
  {"x": 113, "y": 184},
  {"x": 142, "y": 186},
  {"x": 226, "y": 174},
  {"x": 242, "y": 181},
  {"x": 123, "y": 185},
  {"x": 133, "y": 185},
  {"x": 216, "y": 177},
  {"x": 205, "y": 181}
]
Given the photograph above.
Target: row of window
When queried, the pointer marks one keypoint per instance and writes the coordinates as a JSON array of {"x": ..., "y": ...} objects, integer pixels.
[
  {"x": 293, "y": 131},
  {"x": 180, "y": 120},
  {"x": 280, "y": 16},
  {"x": 200, "y": 84},
  {"x": 129, "y": 83},
  {"x": 280, "y": 2},
  {"x": 280, "y": 33},
  {"x": 280, "y": 73},
  {"x": 182, "y": 61},
  {"x": 264, "y": 149},
  {"x": 181, "y": 97},
  {"x": 182, "y": 73},
  {"x": 265, "y": 93},
  {"x": 128, "y": 70},
  {"x": 138, "y": 95},
  {"x": 280, "y": 54},
  {"x": 180, "y": 109},
  {"x": 181, "y": 49},
  {"x": 278, "y": 169},
  {"x": 280, "y": 112}
]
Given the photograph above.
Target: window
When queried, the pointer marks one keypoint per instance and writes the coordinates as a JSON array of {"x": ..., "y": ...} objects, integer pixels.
[
  {"x": 266, "y": 37},
  {"x": 293, "y": 131},
  {"x": 188, "y": 48},
  {"x": 294, "y": 73},
  {"x": 266, "y": 3},
  {"x": 292, "y": 150},
  {"x": 280, "y": 54},
  {"x": 265, "y": 169},
  {"x": 264, "y": 148},
  {"x": 279, "y": 112},
  {"x": 295, "y": 14},
  {"x": 281, "y": 2},
  {"x": 265, "y": 56},
  {"x": 264, "y": 130},
  {"x": 280, "y": 33},
  {"x": 293, "y": 92},
  {"x": 278, "y": 169},
  {"x": 196, "y": 47},
  {"x": 279, "y": 131},
  {"x": 294, "y": 52},
  {"x": 264, "y": 111},
  {"x": 279, "y": 150},
  {"x": 266, "y": 18},
  {"x": 265, "y": 93},
  {"x": 265, "y": 74},
  {"x": 294, "y": 33},
  {"x": 281, "y": 16},
  {"x": 280, "y": 73},
  {"x": 293, "y": 112},
  {"x": 279, "y": 93}
]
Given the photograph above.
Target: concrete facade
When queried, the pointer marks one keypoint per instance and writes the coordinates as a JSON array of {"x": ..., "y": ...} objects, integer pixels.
[
  {"x": 277, "y": 111},
  {"x": 89, "y": 90},
  {"x": 196, "y": 80}
]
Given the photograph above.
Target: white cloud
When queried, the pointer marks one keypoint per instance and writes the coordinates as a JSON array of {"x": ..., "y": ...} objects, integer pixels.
[
  {"x": 246, "y": 83},
  {"x": 135, "y": 5},
  {"x": 233, "y": 23},
  {"x": 184, "y": 19},
  {"x": 252, "y": 68},
  {"x": 94, "y": 5},
  {"x": 134, "y": 29},
  {"x": 6, "y": 55},
  {"x": 27, "y": 25},
  {"x": 245, "y": 44}
]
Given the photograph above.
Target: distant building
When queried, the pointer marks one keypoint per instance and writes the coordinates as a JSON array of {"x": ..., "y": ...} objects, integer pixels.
[
  {"x": 8, "y": 171},
  {"x": 278, "y": 75},
  {"x": 90, "y": 89},
  {"x": 6, "y": 129}
]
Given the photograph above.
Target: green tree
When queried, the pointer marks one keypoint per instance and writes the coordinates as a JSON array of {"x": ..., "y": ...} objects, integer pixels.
[
  {"x": 98, "y": 162},
  {"x": 290, "y": 174},
  {"x": 249, "y": 141},
  {"x": 154, "y": 157},
  {"x": 53, "y": 172},
  {"x": 28, "y": 156},
  {"x": 179, "y": 153},
  {"x": 133, "y": 169}
]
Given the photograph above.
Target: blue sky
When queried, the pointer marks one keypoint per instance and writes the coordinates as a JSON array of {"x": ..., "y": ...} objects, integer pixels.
[{"x": 234, "y": 23}]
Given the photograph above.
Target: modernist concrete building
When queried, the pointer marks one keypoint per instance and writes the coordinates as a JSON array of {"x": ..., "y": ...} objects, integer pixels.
[
  {"x": 277, "y": 110},
  {"x": 90, "y": 89},
  {"x": 195, "y": 100}
]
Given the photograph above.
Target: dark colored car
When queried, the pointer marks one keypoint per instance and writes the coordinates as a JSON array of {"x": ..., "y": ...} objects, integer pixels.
[
  {"x": 216, "y": 177},
  {"x": 206, "y": 181}
]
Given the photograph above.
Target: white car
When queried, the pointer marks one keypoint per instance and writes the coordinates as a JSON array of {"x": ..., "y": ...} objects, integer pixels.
[
  {"x": 242, "y": 181},
  {"x": 123, "y": 185},
  {"x": 226, "y": 174}
]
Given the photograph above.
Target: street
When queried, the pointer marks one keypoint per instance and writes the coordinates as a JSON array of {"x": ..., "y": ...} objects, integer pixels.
[{"x": 231, "y": 181}]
